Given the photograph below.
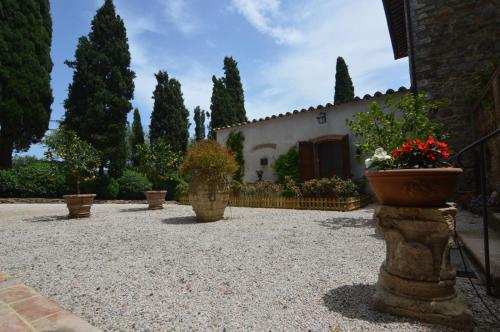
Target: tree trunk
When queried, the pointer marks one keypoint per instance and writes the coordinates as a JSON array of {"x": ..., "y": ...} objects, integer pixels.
[{"x": 6, "y": 148}]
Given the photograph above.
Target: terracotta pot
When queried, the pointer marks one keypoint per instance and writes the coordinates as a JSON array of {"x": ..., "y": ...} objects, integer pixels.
[
  {"x": 208, "y": 202},
  {"x": 414, "y": 187},
  {"x": 155, "y": 198},
  {"x": 79, "y": 205}
]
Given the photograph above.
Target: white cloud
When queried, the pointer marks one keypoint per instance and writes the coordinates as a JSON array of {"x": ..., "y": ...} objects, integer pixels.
[
  {"x": 180, "y": 15},
  {"x": 263, "y": 14}
]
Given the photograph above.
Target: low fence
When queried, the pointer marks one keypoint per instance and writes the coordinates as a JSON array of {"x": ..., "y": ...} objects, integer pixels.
[{"x": 302, "y": 203}]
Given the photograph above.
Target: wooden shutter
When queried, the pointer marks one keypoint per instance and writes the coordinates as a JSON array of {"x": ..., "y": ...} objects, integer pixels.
[
  {"x": 346, "y": 156},
  {"x": 306, "y": 161}
]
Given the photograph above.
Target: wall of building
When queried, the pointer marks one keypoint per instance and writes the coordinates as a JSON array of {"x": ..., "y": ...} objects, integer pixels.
[
  {"x": 453, "y": 40},
  {"x": 272, "y": 138}
]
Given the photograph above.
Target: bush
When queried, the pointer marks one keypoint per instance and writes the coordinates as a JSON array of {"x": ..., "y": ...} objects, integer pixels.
[
  {"x": 104, "y": 186},
  {"x": 334, "y": 187},
  {"x": 36, "y": 179},
  {"x": 171, "y": 183},
  {"x": 287, "y": 165},
  {"x": 133, "y": 185},
  {"x": 209, "y": 161}
]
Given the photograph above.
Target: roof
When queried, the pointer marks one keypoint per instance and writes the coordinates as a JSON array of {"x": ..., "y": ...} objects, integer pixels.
[
  {"x": 312, "y": 109},
  {"x": 395, "y": 15}
]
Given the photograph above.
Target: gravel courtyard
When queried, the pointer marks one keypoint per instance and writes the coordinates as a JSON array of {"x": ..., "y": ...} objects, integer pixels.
[{"x": 127, "y": 268}]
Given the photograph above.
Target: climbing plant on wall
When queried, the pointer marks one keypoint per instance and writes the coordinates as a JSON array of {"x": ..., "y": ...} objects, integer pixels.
[{"x": 234, "y": 143}]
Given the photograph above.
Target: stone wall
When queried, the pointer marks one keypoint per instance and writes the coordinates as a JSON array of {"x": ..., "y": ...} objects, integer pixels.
[{"x": 453, "y": 40}]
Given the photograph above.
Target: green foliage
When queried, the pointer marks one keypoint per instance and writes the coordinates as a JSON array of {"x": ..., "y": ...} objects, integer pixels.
[
  {"x": 136, "y": 138},
  {"x": 25, "y": 67},
  {"x": 208, "y": 161},
  {"x": 287, "y": 165},
  {"x": 104, "y": 186},
  {"x": 79, "y": 158},
  {"x": 170, "y": 118},
  {"x": 344, "y": 90},
  {"x": 132, "y": 185},
  {"x": 334, "y": 187},
  {"x": 99, "y": 96},
  {"x": 37, "y": 179},
  {"x": 291, "y": 188},
  {"x": 182, "y": 189},
  {"x": 389, "y": 130},
  {"x": 158, "y": 162},
  {"x": 171, "y": 185},
  {"x": 199, "y": 122},
  {"x": 228, "y": 101},
  {"x": 234, "y": 143}
]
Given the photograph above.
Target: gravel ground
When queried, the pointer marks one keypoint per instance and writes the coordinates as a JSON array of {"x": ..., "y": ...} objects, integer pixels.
[{"x": 128, "y": 269}]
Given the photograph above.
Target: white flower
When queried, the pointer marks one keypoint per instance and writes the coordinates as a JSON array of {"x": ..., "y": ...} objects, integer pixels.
[{"x": 379, "y": 155}]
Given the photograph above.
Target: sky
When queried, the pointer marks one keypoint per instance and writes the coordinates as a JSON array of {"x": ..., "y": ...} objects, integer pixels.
[{"x": 286, "y": 49}]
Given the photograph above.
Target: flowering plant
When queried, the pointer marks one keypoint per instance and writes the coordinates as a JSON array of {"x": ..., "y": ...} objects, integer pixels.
[{"x": 414, "y": 153}]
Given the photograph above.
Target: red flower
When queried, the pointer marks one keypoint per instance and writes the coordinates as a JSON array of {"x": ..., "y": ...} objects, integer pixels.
[
  {"x": 396, "y": 153},
  {"x": 407, "y": 147},
  {"x": 422, "y": 147},
  {"x": 431, "y": 140},
  {"x": 445, "y": 154}
]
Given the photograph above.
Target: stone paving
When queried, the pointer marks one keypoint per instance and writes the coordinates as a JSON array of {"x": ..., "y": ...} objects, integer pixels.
[{"x": 23, "y": 309}]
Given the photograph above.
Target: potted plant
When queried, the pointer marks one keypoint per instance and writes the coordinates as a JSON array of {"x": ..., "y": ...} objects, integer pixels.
[
  {"x": 208, "y": 166},
  {"x": 80, "y": 161},
  {"x": 158, "y": 163},
  {"x": 415, "y": 172}
]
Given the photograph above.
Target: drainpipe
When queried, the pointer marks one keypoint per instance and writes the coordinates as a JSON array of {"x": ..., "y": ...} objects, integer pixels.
[{"x": 411, "y": 50}]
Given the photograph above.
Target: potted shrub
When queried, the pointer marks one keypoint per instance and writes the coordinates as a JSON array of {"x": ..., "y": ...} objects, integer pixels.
[
  {"x": 158, "y": 163},
  {"x": 208, "y": 166},
  {"x": 415, "y": 172},
  {"x": 80, "y": 161}
]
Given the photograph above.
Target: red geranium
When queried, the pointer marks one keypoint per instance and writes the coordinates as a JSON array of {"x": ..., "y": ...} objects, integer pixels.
[{"x": 418, "y": 154}]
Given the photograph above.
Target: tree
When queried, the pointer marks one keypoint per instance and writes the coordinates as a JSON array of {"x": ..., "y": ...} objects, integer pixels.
[
  {"x": 136, "y": 137},
  {"x": 344, "y": 90},
  {"x": 25, "y": 67},
  {"x": 235, "y": 142},
  {"x": 170, "y": 118},
  {"x": 234, "y": 88},
  {"x": 228, "y": 102},
  {"x": 199, "y": 122},
  {"x": 99, "y": 96}
]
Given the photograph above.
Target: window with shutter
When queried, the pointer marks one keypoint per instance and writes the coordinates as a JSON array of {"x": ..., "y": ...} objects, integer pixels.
[{"x": 306, "y": 161}]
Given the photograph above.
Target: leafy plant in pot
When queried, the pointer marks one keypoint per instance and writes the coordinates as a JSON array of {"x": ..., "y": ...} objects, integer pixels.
[
  {"x": 415, "y": 172},
  {"x": 158, "y": 163},
  {"x": 208, "y": 166},
  {"x": 80, "y": 161}
]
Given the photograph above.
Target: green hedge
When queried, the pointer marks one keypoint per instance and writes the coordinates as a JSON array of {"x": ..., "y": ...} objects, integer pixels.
[
  {"x": 104, "y": 186},
  {"x": 133, "y": 185},
  {"x": 37, "y": 179}
]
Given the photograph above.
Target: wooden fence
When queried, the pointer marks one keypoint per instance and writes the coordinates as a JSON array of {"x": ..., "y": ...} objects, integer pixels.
[{"x": 303, "y": 203}]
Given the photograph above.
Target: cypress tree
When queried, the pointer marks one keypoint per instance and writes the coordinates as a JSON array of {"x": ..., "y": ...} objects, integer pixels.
[
  {"x": 199, "y": 123},
  {"x": 99, "y": 96},
  {"x": 234, "y": 88},
  {"x": 344, "y": 90},
  {"x": 228, "y": 101},
  {"x": 170, "y": 118},
  {"x": 25, "y": 67},
  {"x": 136, "y": 137}
]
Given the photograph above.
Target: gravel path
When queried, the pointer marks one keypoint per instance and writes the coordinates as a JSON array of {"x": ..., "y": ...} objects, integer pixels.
[{"x": 128, "y": 269}]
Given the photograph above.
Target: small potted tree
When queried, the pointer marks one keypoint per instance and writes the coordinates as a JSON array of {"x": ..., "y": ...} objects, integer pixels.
[
  {"x": 415, "y": 172},
  {"x": 158, "y": 163},
  {"x": 80, "y": 161},
  {"x": 208, "y": 166}
]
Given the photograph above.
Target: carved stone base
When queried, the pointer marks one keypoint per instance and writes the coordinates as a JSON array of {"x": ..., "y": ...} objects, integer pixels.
[{"x": 417, "y": 279}]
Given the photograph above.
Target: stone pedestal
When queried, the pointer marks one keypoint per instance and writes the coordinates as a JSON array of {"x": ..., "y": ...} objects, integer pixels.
[{"x": 417, "y": 279}]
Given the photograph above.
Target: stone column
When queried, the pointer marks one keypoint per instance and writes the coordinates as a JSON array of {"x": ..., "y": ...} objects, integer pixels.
[{"x": 417, "y": 279}]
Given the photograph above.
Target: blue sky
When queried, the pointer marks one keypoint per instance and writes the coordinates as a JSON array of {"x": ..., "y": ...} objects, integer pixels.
[{"x": 286, "y": 49}]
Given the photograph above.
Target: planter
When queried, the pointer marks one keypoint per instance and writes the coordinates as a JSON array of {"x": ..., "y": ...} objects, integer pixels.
[
  {"x": 414, "y": 187},
  {"x": 208, "y": 201},
  {"x": 79, "y": 205},
  {"x": 155, "y": 198}
]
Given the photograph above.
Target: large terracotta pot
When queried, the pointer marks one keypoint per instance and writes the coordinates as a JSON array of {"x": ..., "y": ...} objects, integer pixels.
[
  {"x": 79, "y": 205},
  {"x": 208, "y": 201},
  {"x": 414, "y": 187},
  {"x": 155, "y": 198}
]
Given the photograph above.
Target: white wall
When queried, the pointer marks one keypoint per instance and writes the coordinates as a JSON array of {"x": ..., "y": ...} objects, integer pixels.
[{"x": 287, "y": 131}]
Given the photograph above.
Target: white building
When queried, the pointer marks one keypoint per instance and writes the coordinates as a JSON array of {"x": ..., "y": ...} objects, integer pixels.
[{"x": 325, "y": 143}]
